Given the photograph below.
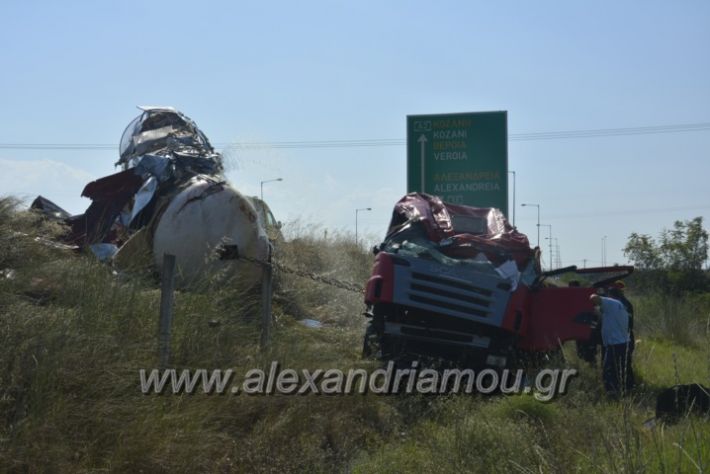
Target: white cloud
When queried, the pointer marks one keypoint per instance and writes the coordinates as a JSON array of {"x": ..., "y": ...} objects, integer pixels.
[{"x": 54, "y": 180}]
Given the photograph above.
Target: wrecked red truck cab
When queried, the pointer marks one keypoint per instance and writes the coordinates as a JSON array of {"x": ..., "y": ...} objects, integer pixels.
[{"x": 461, "y": 283}]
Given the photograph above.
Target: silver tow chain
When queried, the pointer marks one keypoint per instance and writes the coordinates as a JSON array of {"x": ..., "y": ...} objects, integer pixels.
[{"x": 341, "y": 284}]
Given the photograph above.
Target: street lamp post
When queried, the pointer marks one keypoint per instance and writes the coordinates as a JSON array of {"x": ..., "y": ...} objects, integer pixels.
[
  {"x": 356, "y": 213},
  {"x": 268, "y": 181},
  {"x": 604, "y": 251},
  {"x": 513, "y": 173},
  {"x": 538, "y": 220}
]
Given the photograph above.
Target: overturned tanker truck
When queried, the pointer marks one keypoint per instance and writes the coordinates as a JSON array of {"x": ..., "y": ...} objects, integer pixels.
[
  {"x": 171, "y": 197},
  {"x": 459, "y": 283}
]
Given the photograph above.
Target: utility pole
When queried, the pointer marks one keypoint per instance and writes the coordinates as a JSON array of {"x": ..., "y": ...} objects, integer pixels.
[
  {"x": 513, "y": 173},
  {"x": 555, "y": 256},
  {"x": 549, "y": 239}
]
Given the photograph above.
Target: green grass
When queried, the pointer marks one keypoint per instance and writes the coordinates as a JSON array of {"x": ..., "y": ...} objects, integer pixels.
[
  {"x": 680, "y": 319},
  {"x": 73, "y": 336}
]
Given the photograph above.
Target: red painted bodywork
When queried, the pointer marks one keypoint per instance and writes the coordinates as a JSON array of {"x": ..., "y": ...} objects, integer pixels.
[
  {"x": 519, "y": 304},
  {"x": 550, "y": 318},
  {"x": 382, "y": 278},
  {"x": 542, "y": 317},
  {"x": 436, "y": 217}
]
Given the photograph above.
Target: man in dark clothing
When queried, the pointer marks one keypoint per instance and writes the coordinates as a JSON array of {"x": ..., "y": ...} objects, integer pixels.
[{"x": 587, "y": 350}]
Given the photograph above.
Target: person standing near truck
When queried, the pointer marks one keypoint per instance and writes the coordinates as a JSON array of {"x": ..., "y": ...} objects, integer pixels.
[
  {"x": 617, "y": 372},
  {"x": 587, "y": 350},
  {"x": 617, "y": 292}
]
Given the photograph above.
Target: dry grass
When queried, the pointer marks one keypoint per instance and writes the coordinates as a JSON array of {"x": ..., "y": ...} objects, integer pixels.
[{"x": 73, "y": 336}]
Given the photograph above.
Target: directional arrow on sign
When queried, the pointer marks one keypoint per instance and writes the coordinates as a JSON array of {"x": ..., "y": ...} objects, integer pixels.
[
  {"x": 460, "y": 146},
  {"x": 422, "y": 142}
]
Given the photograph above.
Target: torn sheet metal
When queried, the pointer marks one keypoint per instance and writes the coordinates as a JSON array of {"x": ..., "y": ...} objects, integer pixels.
[
  {"x": 509, "y": 271},
  {"x": 461, "y": 231},
  {"x": 160, "y": 151},
  {"x": 140, "y": 200},
  {"x": 104, "y": 252},
  {"x": 164, "y": 131},
  {"x": 48, "y": 208},
  {"x": 154, "y": 165},
  {"x": 427, "y": 228},
  {"x": 171, "y": 193}
]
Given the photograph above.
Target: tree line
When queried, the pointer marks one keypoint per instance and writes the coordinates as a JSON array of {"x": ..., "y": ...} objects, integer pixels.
[{"x": 674, "y": 261}]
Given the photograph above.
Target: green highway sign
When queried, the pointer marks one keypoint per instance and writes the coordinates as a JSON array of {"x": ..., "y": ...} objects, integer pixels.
[{"x": 462, "y": 158}]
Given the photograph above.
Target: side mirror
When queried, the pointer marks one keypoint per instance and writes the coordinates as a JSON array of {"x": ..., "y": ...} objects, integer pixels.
[{"x": 278, "y": 225}]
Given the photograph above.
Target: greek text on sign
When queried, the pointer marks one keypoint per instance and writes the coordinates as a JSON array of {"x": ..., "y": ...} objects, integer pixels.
[{"x": 462, "y": 158}]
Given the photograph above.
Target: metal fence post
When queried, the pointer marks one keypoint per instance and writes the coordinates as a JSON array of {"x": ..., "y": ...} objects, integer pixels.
[
  {"x": 266, "y": 294},
  {"x": 167, "y": 288}
]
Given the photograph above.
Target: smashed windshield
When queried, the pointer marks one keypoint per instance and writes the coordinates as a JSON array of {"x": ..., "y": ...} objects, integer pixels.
[
  {"x": 469, "y": 225},
  {"x": 411, "y": 240}
]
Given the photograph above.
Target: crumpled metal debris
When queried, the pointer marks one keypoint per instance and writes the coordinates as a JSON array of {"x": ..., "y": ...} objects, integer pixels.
[
  {"x": 462, "y": 231},
  {"x": 161, "y": 150},
  {"x": 48, "y": 208},
  {"x": 104, "y": 252},
  {"x": 425, "y": 227},
  {"x": 170, "y": 197},
  {"x": 165, "y": 142},
  {"x": 140, "y": 200}
]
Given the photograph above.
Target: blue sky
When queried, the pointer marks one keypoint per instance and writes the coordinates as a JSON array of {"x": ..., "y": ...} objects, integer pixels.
[{"x": 73, "y": 72}]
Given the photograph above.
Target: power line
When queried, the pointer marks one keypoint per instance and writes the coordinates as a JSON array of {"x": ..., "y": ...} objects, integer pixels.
[
  {"x": 386, "y": 142},
  {"x": 56, "y": 146},
  {"x": 606, "y": 132},
  {"x": 581, "y": 215}
]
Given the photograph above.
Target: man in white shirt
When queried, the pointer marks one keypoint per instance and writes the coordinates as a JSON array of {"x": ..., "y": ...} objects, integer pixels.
[{"x": 617, "y": 372}]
